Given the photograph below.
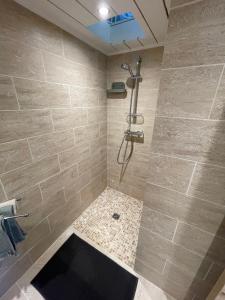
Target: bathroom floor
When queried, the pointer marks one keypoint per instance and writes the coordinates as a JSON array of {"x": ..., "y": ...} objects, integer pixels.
[
  {"x": 119, "y": 237},
  {"x": 116, "y": 239}
]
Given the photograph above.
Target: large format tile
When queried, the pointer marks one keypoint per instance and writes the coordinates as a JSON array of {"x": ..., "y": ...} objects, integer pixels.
[
  {"x": 208, "y": 183},
  {"x": 18, "y": 59},
  {"x": 169, "y": 172},
  {"x": 7, "y": 94},
  {"x": 34, "y": 236},
  {"x": 69, "y": 118},
  {"x": 193, "y": 39},
  {"x": 86, "y": 133},
  {"x": 79, "y": 51},
  {"x": 74, "y": 155},
  {"x": 201, "y": 242},
  {"x": 14, "y": 155},
  {"x": 51, "y": 143},
  {"x": 158, "y": 223},
  {"x": 81, "y": 97},
  {"x": 152, "y": 247},
  {"x": 202, "y": 214},
  {"x": 61, "y": 70},
  {"x": 58, "y": 182},
  {"x": 188, "y": 92},
  {"x": 198, "y": 140},
  {"x": 36, "y": 94},
  {"x": 19, "y": 23},
  {"x": 20, "y": 180},
  {"x": 23, "y": 124}
]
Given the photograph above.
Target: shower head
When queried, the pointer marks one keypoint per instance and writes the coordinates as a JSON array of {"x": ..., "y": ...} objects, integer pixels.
[{"x": 128, "y": 68}]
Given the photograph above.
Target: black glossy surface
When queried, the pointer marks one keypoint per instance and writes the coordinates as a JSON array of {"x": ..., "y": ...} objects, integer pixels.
[{"x": 80, "y": 272}]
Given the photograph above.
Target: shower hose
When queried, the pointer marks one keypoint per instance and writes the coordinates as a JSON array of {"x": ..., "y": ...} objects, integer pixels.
[{"x": 126, "y": 157}]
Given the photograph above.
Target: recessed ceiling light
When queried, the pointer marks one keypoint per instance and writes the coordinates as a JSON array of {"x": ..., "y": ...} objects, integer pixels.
[{"x": 104, "y": 11}]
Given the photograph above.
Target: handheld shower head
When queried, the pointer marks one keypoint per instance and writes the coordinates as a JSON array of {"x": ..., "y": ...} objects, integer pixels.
[{"x": 128, "y": 68}]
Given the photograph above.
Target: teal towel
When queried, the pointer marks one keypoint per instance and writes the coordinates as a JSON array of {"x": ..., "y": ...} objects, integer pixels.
[
  {"x": 11, "y": 227},
  {"x": 6, "y": 247}
]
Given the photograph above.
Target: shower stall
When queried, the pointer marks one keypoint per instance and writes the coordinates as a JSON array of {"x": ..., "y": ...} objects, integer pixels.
[{"x": 131, "y": 136}]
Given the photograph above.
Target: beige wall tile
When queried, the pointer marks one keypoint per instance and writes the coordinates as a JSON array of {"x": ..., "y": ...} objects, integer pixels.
[
  {"x": 86, "y": 133},
  {"x": 170, "y": 172},
  {"x": 203, "y": 214},
  {"x": 198, "y": 140},
  {"x": 43, "y": 80},
  {"x": 14, "y": 155},
  {"x": 158, "y": 223},
  {"x": 18, "y": 181},
  {"x": 84, "y": 97},
  {"x": 37, "y": 95},
  {"x": 51, "y": 143},
  {"x": 201, "y": 242},
  {"x": 208, "y": 183},
  {"x": 79, "y": 183},
  {"x": 56, "y": 183},
  {"x": 7, "y": 94},
  {"x": 188, "y": 92},
  {"x": 34, "y": 236},
  {"x": 21, "y": 124},
  {"x": 152, "y": 245},
  {"x": 74, "y": 155},
  {"x": 164, "y": 282},
  {"x": 18, "y": 59},
  {"x": 196, "y": 35},
  {"x": 21, "y": 24},
  {"x": 96, "y": 115},
  {"x": 78, "y": 51},
  {"x": 61, "y": 70},
  {"x": 66, "y": 214},
  {"x": 69, "y": 118}
]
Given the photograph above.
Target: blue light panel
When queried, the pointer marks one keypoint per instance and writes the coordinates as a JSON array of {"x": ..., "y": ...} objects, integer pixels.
[{"x": 118, "y": 28}]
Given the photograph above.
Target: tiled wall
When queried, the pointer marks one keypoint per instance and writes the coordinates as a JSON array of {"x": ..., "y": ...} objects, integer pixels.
[
  {"x": 182, "y": 238},
  {"x": 52, "y": 128},
  {"x": 134, "y": 180}
]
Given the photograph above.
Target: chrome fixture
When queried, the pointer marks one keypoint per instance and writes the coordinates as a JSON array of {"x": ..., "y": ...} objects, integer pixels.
[{"x": 131, "y": 136}]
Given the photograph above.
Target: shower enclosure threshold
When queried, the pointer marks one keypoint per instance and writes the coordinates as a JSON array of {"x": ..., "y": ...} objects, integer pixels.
[{"x": 112, "y": 221}]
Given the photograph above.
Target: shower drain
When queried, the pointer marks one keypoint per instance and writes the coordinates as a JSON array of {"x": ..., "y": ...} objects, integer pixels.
[{"x": 116, "y": 216}]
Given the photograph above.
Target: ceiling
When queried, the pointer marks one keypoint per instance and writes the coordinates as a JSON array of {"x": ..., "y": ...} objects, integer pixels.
[{"x": 75, "y": 15}]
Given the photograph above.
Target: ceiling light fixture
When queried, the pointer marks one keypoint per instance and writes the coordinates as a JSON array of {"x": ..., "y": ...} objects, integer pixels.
[{"x": 104, "y": 11}]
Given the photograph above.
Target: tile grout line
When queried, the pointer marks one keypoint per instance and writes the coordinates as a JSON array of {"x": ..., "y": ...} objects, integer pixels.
[
  {"x": 190, "y": 196},
  {"x": 217, "y": 89},
  {"x": 188, "y": 118},
  {"x": 53, "y": 82},
  {"x": 209, "y": 269},
  {"x": 175, "y": 231},
  {"x": 191, "y": 178},
  {"x": 15, "y": 91},
  {"x": 29, "y": 147},
  {"x": 186, "y": 4},
  {"x": 3, "y": 188},
  {"x": 192, "y": 66}
]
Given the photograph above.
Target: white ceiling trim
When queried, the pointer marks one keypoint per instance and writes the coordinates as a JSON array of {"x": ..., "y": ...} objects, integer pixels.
[{"x": 75, "y": 15}]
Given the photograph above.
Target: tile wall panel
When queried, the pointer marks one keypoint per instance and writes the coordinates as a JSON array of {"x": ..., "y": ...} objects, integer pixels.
[
  {"x": 45, "y": 94},
  {"x": 186, "y": 176}
]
